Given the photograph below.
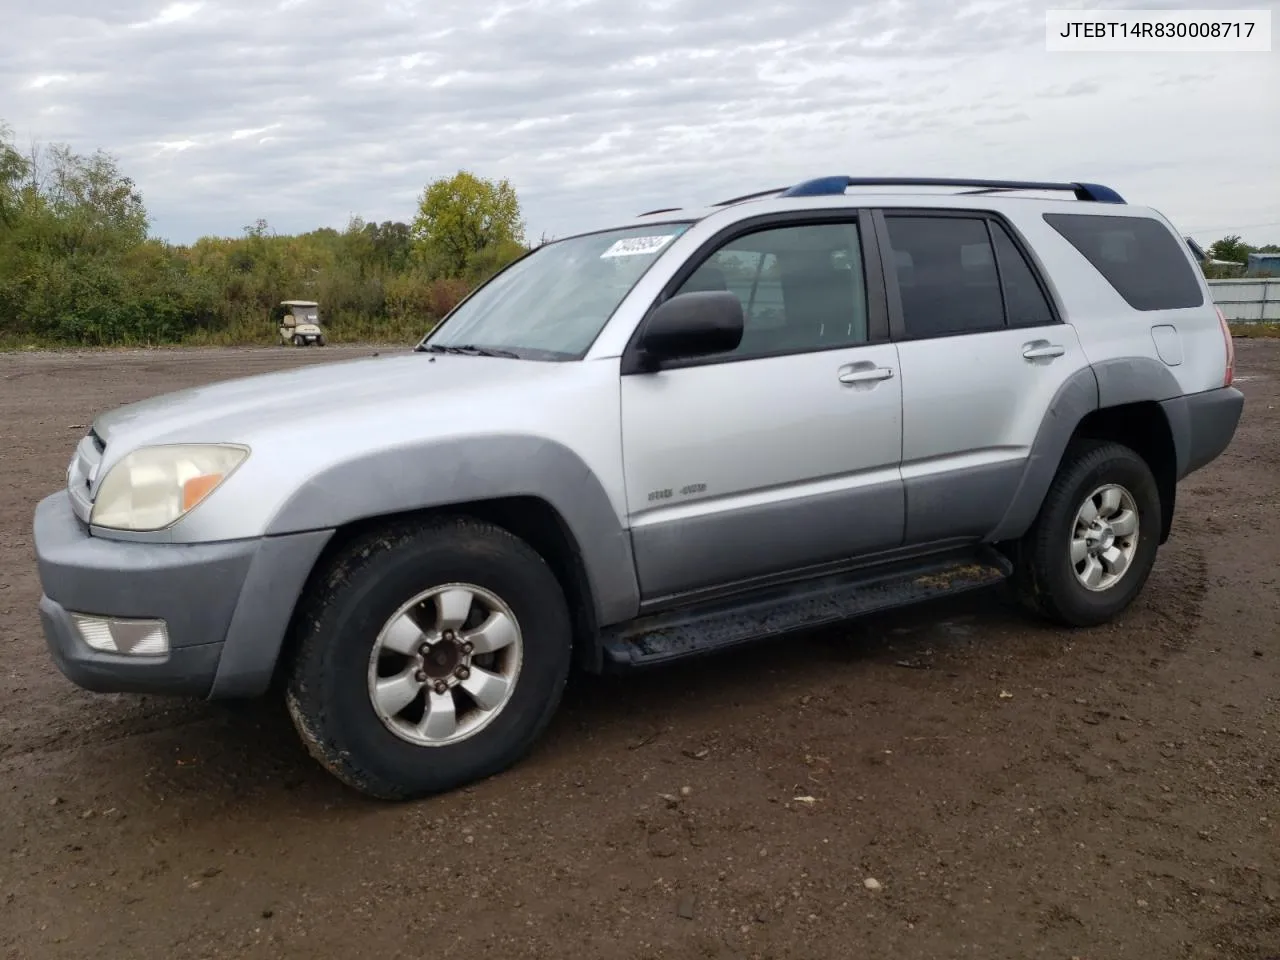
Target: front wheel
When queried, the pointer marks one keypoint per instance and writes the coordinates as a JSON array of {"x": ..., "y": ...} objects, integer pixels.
[
  {"x": 429, "y": 656},
  {"x": 1094, "y": 542}
]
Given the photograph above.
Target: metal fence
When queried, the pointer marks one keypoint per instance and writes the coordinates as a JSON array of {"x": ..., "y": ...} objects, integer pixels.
[{"x": 1249, "y": 300}]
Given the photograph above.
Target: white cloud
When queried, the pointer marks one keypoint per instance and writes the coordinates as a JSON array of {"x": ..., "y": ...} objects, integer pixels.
[
  {"x": 304, "y": 111},
  {"x": 254, "y": 132},
  {"x": 46, "y": 80},
  {"x": 172, "y": 13}
]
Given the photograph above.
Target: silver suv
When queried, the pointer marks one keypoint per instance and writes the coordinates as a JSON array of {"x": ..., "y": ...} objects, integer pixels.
[{"x": 693, "y": 430}]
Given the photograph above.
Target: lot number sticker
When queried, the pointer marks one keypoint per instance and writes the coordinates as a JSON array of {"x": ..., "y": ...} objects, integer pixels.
[{"x": 636, "y": 246}]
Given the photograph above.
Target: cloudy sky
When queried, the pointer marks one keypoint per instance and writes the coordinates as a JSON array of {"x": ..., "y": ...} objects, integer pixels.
[{"x": 304, "y": 112}]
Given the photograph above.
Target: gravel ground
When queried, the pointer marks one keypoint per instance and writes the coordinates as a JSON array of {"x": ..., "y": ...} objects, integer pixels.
[{"x": 953, "y": 781}]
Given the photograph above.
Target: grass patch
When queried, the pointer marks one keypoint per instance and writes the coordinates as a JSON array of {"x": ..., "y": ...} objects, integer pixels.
[
  {"x": 245, "y": 334},
  {"x": 1255, "y": 331}
]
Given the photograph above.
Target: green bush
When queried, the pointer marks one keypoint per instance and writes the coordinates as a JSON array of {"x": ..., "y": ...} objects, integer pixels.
[{"x": 77, "y": 266}]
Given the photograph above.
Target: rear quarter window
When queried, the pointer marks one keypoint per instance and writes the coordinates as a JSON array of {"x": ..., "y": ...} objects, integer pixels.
[{"x": 1139, "y": 257}]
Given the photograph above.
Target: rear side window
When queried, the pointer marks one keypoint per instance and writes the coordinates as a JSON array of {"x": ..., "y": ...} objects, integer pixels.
[
  {"x": 947, "y": 275},
  {"x": 1023, "y": 298},
  {"x": 1141, "y": 259}
]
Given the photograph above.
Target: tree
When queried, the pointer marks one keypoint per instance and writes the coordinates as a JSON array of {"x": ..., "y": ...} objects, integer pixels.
[
  {"x": 1230, "y": 248},
  {"x": 392, "y": 243},
  {"x": 465, "y": 219},
  {"x": 13, "y": 170},
  {"x": 88, "y": 202}
]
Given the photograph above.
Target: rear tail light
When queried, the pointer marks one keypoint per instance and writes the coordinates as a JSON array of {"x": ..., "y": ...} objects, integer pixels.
[{"x": 1231, "y": 349}]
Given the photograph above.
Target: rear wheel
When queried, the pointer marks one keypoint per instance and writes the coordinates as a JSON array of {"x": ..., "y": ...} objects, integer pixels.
[
  {"x": 1094, "y": 542},
  {"x": 429, "y": 657}
]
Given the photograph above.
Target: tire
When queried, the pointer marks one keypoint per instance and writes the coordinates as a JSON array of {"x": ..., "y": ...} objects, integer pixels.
[
  {"x": 299, "y": 340},
  {"x": 1045, "y": 571},
  {"x": 319, "y": 341},
  {"x": 329, "y": 691}
]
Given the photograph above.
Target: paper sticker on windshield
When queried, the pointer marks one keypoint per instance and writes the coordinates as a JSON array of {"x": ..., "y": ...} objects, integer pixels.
[{"x": 636, "y": 246}]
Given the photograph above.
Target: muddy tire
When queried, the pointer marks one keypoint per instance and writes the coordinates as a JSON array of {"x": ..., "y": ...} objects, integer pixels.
[
  {"x": 1093, "y": 544},
  {"x": 428, "y": 656}
]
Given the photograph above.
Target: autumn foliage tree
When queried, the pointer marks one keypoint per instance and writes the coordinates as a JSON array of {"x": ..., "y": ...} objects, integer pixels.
[{"x": 467, "y": 226}]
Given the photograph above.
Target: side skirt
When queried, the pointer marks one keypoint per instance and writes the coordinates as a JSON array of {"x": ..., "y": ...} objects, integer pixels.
[{"x": 764, "y": 613}]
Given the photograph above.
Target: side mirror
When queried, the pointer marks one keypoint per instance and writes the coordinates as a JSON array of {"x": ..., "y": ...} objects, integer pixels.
[{"x": 693, "y": 325}]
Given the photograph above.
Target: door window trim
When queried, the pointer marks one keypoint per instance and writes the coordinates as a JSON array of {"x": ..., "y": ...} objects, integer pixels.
[
  {"x": 897, "y": 320},
  {"x": 878, "y": 331}
]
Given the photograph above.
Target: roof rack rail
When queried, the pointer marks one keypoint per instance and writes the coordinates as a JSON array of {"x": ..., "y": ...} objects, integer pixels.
[
  {"x": 834, "y": 186},
  {"x": 750, "y": 196},
  {"x": 650, "y": 213}
]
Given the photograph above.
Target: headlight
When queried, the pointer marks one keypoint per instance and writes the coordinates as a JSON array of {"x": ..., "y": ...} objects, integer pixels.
[{"x": 153, "y": 487}]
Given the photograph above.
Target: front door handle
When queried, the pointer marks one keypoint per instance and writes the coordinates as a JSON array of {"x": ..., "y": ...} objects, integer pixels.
[
  {"x": 865, "y": 374},
  {"x": 1042, "y": 350}
]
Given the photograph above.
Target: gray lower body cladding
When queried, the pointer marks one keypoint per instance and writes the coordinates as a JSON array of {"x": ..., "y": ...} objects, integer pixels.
[
  {"x": 226, "y": 606},
  {"x": 1203, "y": 425},
  {"x": 714, "y": 549}
]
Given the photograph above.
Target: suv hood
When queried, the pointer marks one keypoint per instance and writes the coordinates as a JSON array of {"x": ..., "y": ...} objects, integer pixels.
[{"x": 302, "y": 400}]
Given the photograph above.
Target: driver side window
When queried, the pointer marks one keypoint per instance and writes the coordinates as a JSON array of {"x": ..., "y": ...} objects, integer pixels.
[{"x": 802, "y": 288}]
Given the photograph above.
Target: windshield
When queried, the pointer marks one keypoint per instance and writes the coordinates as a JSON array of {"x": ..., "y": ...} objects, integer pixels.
[{"x": 553, "y": 303}]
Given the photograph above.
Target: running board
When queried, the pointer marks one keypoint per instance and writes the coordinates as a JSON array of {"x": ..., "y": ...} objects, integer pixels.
[{"x": 801, "y": 605}]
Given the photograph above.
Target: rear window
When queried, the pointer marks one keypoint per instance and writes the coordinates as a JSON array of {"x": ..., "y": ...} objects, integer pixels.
[{"x": 1140, "y": 257}]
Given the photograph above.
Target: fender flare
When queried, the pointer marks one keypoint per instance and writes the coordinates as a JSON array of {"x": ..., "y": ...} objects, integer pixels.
[
  {"x": 457, "y": 471},
  {"x": 1109, "y": 383}
]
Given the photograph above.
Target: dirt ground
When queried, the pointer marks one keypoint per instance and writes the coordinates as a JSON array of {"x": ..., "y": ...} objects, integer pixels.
[{"x": 1015, "y": 790}]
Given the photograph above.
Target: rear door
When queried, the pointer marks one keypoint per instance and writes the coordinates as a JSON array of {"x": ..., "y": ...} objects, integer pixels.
[{"x": 983, "y": 352}]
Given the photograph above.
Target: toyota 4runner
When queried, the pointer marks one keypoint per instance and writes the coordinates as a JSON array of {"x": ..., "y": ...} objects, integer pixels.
[{"x": 695, "y": 429}]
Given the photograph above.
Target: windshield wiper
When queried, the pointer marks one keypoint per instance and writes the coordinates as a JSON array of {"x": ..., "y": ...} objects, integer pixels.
[{"x": 468, "y": 349}]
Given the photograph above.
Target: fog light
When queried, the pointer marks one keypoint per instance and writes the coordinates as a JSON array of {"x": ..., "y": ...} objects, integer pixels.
[{"x": 138, "y": 638}]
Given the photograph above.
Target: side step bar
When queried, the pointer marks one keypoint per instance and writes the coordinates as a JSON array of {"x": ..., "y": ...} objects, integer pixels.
[{"x": 802, "y": 605}]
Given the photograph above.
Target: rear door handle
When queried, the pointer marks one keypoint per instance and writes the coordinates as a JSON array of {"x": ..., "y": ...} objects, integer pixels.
[
  {"x": 867, "y": 374},
  {"x": 1042, "y": 349}
]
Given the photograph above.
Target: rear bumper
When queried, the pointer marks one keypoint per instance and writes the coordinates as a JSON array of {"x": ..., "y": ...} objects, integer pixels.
[
  {"x": 1203, "y": 425},
  {"x": 226, "y": 606}
]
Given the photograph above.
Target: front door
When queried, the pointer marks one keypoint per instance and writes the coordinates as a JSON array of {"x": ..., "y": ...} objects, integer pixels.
[{"x": 784, "y": 453}]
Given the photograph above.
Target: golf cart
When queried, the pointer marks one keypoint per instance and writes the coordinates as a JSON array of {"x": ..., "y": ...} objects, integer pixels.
[{"x": 300, "y": 323}]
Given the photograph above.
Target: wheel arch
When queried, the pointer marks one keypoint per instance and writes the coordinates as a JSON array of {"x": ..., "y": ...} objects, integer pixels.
[
  {"x": 460, "y": 473},
  {"x": 533, "y": 519},
  {"x": 1131, "y": 400},
  {"x": 1144, "y": 428}
]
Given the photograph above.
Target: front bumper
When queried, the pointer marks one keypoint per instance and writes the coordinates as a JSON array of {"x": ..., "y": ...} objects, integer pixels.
[
  {"x": 226, "y": 605},
  {"x": 188, "y": 670}
]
